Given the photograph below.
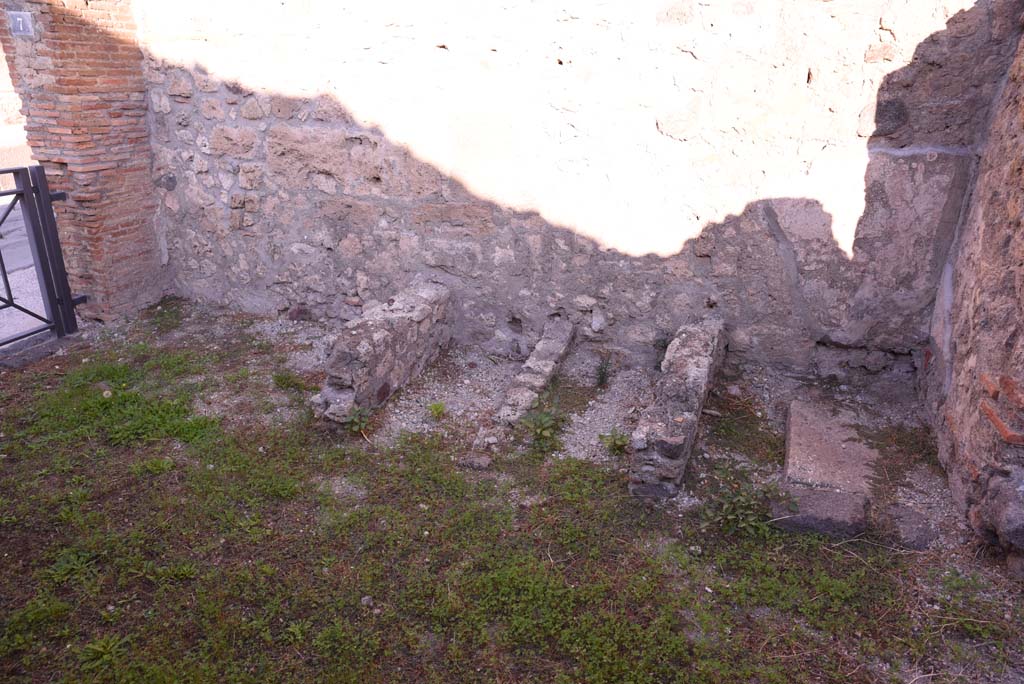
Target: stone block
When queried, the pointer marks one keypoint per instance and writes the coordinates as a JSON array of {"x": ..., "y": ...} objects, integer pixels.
[
  {"x": 234, "y": 142},
  {"x": 823, "y": 448},
  {"x": 384, "y": 349},
  {"x": 828, "y": 469},
  {"x": 665, "y": 432}
]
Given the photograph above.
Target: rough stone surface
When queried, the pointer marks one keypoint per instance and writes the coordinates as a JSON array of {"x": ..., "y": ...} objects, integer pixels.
[
  {"x": 666, "y": 430},
  {"x": 824, "y": 511},
  {"x": 913, "y": 529},
  {"x": 806, "y": 190},
  {"x": 378, "y": 353},
  {"x": 538, "y": 370},
  {"x": 823, "y": 449},
  {"x": 1015, "y": 565},
  {"x": 977, "y": 339}
]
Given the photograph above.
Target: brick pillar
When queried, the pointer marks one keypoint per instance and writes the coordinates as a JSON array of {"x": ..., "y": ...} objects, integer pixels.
[{"x": 80, "y": 80}]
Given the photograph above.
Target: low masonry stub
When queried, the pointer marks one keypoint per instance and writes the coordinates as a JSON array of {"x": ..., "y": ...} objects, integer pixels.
[
  {"x": 665, "y": 433},
  {"x": 385, "y": 348},
  {"x": 538, "y": 370}
]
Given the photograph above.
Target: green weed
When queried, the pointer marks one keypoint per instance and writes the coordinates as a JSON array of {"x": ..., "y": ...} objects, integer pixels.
[
  {"x": 152, "y": 466},
  {"x": 615, "y": 442},
  {"x": 357, "y": 421},
  {"x": 102, "y": 655},
  {"x": 291, "y": 382},
  {"x": 437, "y": 410},
  {"x": 604, "y": 371}
]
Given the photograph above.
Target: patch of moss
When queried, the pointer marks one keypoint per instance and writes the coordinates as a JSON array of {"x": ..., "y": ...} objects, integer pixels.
[{"x": 738, "y": 424}]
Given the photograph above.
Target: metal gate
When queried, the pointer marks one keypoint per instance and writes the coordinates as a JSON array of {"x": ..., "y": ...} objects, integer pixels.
[{"x": 31, "y": 193}]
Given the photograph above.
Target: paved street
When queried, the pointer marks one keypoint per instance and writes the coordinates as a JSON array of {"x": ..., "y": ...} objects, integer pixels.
[{"x": 22, "y": 276}]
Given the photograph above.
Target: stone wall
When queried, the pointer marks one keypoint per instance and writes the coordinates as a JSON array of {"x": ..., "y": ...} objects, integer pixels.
[
  {"x": 800, "y": 167},
  {"x": 79, "y": 78},
  {"x": 977, "y": 354}
]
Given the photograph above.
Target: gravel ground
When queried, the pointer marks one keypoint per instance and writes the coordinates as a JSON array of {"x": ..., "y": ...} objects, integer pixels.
[
  {"x": 471, "y": 385},
  {"x": 616, "y": 407}
]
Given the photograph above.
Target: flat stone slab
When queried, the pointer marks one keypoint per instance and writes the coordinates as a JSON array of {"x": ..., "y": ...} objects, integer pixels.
[
  {"x": 827, "y": 472},
  {"x": 823, "y": 449},
  {"x": 836, "y": 514},
  {"x": 665, "y": 433},
  {"x": 378, "y": 353}
]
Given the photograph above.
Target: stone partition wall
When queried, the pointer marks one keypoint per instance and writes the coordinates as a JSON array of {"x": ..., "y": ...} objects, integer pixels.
[
  {"x": 976, "y": 372},
  {"x": 79, "y": 79},
  {"x": 798, "y": 166}
]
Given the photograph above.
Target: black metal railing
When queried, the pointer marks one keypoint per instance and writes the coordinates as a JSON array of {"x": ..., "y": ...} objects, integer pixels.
[{"x": 31, "y": 193}]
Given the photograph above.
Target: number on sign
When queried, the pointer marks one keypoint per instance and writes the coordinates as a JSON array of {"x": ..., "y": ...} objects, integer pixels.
[{"x": 21, "y": 23}]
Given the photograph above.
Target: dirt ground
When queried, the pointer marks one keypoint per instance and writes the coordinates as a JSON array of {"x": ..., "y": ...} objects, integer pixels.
[{"x": 170, "y": 510}]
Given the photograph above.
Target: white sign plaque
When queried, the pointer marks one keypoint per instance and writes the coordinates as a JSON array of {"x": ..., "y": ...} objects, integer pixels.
[{"x": 21, "y": 23}]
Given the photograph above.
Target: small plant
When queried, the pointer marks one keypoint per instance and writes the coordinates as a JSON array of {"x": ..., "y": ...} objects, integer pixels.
[
  {"x": 239, "y": 376},
  {"x": 437, "y": 410},
  {"x": 543, "y": 428},
  {"x": 153, "y": 466},
  {"x": 167, "y": 314},
  {"x": 71, "y": 565},
  {"x": 103, "y": 654},
  {"x": 357, "y": 420},
  {"x": 615, "y": 442},
  {"x": 604, "y": 371},
  {"x": 290, "y": 382},
  {"x": 736, "y": 506},
  {"x": 296, "y": 633}
]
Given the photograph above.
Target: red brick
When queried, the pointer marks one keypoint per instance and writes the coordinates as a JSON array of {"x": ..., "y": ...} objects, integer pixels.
[
  {"x": 88, "y": 129},
  {"x": 1005, "y": 432},
  {"x": 1012, "y": 391}
]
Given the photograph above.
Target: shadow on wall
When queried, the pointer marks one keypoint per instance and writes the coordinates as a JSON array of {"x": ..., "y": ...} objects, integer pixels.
[{"x": 278, "y": 204}]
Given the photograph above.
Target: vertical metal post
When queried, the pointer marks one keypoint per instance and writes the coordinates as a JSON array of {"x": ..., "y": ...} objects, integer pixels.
[
  {"x": 48, "y": 224},
  {"x": 33, "y": 228}
]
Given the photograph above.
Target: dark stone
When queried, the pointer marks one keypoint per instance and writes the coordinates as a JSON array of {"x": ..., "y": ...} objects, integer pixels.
[
  {"x": 653, "y": 490},
  {"x": 168, "y": 181},
  {"x": 836, "y": 514},
  {"x": 890, "y": 116},
  {"x": 476, "y": 462},
  {"x": 1015, "y": 565},
  {"x": 1003, "y": 506},
  {"x": 912, "y": 527},
  {"x": 300, "y": 312}
]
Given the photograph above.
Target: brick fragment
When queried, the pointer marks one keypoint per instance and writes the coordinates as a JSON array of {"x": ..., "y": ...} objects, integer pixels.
[
  {"x": 989, "y": 385},
  {"x": 1012, "y": 391},
  {"x": 1007, "y": 434}
]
